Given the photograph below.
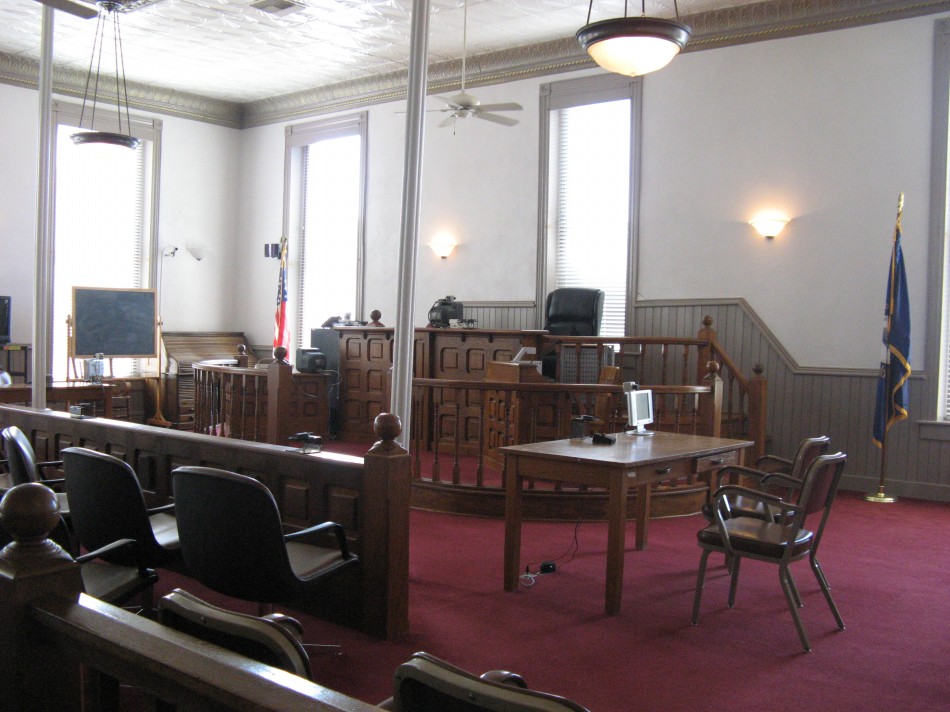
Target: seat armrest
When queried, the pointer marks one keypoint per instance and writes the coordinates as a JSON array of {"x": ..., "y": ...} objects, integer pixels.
[
  {"x": 721, "y": 495},
  {"x": 773, "y": 463},
  {"x": 738, "y": 470},
  {"x": 118, "y": 544},
  {"x": 159, "y": 510},
  {"x": 337, "y": 530}
]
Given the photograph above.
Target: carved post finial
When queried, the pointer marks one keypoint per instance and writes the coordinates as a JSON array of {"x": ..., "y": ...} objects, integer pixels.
[
  {"x": 280, "y": 353},
  {"x": 29, "y": 512},
  {"x": 707, "y": 321},
  {"x": 712, "y": 367},
  {"x": 387, "y": 427}
]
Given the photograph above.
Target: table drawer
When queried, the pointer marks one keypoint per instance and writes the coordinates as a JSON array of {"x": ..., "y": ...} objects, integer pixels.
[
  {"x": 714, "y": 462},
  {"x": 665, "y": 470}
]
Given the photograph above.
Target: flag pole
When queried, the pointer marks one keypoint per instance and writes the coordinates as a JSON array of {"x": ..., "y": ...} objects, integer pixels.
[{"x": 880, "y": 497}]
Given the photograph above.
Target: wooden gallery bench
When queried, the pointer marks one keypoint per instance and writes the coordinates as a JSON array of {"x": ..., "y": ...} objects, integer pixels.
[{"x": 368, "y": 496}]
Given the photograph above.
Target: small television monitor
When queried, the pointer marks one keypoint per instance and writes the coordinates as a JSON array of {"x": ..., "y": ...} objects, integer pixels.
[
  {"x": 310, "y": 360},
  {"x": 639, "y": 409}
]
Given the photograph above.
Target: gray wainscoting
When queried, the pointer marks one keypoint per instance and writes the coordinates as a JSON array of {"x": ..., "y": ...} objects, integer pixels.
[
  {"x": 804, "y": 402},
  {"x": 502, "y": 315}
]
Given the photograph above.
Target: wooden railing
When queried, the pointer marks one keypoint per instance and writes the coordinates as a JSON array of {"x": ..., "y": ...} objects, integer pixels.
[
  {"x": 368, "y": 496},
  {"x": 62, "y": 650},
  {"x": 239, "y": 402}
]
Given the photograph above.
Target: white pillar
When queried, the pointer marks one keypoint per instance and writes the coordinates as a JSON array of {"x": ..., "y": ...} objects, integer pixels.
[{"x": 404, "y": 331}]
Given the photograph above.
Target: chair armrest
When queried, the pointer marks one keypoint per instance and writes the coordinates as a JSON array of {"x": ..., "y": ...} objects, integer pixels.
[
  {"x": 159, "y": 510},
  {"x": 721, "y": 502},
  {"x": 325, "y": 527},
  {"x": 781, "y": 479},
  {"x": 738, "y": 470},
  {"x": 771, "y": 463},
  {"x": 118, "y": 544}
]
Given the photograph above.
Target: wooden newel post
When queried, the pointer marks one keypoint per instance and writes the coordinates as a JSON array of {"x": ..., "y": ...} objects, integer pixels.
[
  {"x": 705, "y": 355},
  {"x": 387, "y": 481},
  {"x": 710, "y": 407},
  {"x": 32, "y": 567},
  {"x": 280, "y": 394},
  {"x": 758, "y": 398},
  {"x": 242, "y": 356}
]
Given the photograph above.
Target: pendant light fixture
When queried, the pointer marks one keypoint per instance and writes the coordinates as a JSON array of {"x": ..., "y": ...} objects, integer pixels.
[
  {"x": 108, "y": 17},
  {"x": 633, "y": 45}
]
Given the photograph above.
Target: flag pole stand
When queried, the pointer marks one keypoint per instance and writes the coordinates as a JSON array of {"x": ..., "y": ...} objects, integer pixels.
[{"x": 879, "y": 496}]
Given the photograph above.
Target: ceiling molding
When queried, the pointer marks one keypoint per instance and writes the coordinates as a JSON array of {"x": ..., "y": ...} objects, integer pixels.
[
  {"x": 772, "y": 19},
  {"x": 23, "y": 72}
]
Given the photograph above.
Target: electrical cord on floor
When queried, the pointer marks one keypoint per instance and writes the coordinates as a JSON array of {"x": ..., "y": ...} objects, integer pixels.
[{"x": 528, "y": 579}]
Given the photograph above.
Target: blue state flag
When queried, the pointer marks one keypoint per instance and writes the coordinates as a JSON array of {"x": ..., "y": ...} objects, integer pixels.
[{"x": 895, "y": 362}]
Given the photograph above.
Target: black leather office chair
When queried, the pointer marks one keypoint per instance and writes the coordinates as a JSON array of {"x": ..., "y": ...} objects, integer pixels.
[
  {"x": 779, "y": 542},
  {"x": 571, "y": 311},
  {"x": 107, "y": 504},
  {"x": 233, "y": 540},
  {"x": 574, "y": 311},
  {"x": 425, "y": 683},
  {"x": 274, "y": 639}
]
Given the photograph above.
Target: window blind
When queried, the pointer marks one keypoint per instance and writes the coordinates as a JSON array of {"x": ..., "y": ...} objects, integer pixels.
[
  {"x": 593, "y": 193},
  {"x": 100, "y": 230}
]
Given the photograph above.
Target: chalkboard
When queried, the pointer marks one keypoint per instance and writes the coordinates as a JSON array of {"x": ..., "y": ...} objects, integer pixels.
[{"x": 114, "y": 322}]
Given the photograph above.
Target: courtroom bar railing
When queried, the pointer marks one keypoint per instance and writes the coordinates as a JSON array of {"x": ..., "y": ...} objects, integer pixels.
[
  {"x": 456, "y": 465},
  {"x": 237, "y": 402}
]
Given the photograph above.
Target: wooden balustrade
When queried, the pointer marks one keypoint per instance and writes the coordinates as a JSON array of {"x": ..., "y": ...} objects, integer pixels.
[
  {"x": 238, "y": 402},
  {"x": 368, "y": 496}
]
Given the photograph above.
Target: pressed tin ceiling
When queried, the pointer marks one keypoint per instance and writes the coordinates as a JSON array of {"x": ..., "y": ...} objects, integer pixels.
[{"x": 223, "y": 60}]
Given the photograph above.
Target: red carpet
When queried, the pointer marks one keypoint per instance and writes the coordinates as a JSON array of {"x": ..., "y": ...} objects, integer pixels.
[{"x": 889, "y": 566}]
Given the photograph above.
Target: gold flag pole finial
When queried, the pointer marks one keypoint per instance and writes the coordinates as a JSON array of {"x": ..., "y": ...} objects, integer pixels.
[{"x": 900, "y": 204}]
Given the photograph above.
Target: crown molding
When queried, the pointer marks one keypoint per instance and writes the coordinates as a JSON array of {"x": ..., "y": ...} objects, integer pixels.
[
  {"x": 24, "y": 72},
  {"x": 772, "y": 19}
]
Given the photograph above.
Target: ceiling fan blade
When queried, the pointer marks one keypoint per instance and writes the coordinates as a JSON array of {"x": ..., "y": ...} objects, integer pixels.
[
  {"x": 447, "y": 121},
  {"x": 496, "y": 118},
  {"x": 72, "y": 7},
  {"x": 510, "y": 106}
]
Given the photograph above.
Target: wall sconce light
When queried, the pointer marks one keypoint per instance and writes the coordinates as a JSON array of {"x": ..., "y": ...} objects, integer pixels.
[
  {"x": 769, "y": 225},
  {"x": 443, "y": 244},
  {"x": 272, "y": 249},
  {"x": 199, "y": 252}
]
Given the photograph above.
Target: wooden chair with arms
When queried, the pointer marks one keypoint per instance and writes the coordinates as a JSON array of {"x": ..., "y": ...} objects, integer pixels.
[{"x": 781, "y": 542}]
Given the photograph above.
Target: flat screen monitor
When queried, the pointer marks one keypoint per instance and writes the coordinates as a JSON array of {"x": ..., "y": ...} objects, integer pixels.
[{"x": 639, "y": 409}]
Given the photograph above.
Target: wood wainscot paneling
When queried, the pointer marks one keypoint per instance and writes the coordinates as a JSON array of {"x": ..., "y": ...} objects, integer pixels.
[{"x": 368, "y": 496}]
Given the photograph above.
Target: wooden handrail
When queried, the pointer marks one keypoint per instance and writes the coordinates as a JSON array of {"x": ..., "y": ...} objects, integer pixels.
[{"x": 166, "y": 664}]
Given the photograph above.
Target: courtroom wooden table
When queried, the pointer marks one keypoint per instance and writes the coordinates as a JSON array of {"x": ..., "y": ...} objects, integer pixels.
[
  {"x": 65, "y": 393},
  {"x": 633, "y": 460}
]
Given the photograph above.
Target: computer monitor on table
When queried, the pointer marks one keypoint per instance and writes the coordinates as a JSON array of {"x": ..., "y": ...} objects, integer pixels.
[{"x": 639, "y": 409}]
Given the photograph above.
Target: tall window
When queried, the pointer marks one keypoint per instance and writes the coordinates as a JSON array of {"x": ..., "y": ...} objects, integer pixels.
[
  {"x": 102, "y": 232},
  {"x": 590, "y": 191},
  {"x": 938, "y": 320},
  {"x": 328, "y": 158}
]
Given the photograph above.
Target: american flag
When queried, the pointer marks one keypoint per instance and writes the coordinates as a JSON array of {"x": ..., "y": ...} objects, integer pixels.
[{"x": 281, "y": 332}]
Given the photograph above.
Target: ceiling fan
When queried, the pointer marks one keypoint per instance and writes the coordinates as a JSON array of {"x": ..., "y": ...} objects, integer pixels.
[{"x": 463, "y": 104}]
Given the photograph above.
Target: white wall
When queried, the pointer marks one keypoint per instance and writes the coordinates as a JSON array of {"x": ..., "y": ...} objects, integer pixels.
[
  {"x": 19, "y": 122},
  {"x": 830, "y": 127}
]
